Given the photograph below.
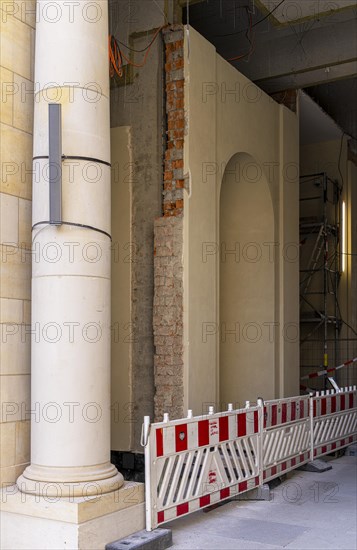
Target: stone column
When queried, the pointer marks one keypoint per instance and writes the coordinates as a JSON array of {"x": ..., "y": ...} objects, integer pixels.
[{"x": 70, "y": 424}]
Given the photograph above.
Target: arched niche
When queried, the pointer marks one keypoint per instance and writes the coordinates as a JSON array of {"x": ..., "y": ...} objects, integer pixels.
[{"x": 246, "y": 274}]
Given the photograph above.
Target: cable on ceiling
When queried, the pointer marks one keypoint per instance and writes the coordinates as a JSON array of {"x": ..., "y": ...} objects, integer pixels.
[
  {"x": 250, "y": 37},
  {"x": 254, "y": 24}
]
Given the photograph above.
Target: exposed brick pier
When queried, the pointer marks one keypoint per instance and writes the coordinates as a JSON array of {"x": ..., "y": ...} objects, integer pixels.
[
  {"x": 173, "y": 176},
  {"x": 168, "y": 242}
]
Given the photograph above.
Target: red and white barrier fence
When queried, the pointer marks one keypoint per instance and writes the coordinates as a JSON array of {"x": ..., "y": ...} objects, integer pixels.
[{"x": 195, "y": 462}]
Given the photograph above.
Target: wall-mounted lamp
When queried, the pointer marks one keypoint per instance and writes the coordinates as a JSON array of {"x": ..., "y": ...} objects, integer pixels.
[
  {"x": 55, "y": 162},
  {"x": 343, "y": 237}
]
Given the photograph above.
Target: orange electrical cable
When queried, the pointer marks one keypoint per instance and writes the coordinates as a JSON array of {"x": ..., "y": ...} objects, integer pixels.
[
  {"x": 116, "y": 57},
  {"x": 113, "y": 58}
]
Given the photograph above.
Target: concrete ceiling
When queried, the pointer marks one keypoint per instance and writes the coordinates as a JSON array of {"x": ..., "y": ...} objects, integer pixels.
[
  {"x": 289, "y": 45},
  {"x": 288, "y": 12}
]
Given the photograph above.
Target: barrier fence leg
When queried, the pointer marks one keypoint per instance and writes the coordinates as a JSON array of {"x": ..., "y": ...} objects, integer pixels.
[
  {"x": 311, "y": 411},
  {"x": 145, "y": 442},
  {"x": 313, "y": 465},
  {"x": 260, "y": 403}
]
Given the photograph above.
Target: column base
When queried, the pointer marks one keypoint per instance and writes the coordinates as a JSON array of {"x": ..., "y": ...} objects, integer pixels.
[
  {"x": 70, "y": 482},
  {"x": 31, "y": 522}
]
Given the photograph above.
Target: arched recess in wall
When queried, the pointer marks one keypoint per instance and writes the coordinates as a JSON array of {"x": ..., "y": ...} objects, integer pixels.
[{"x": 246, "y": 267}]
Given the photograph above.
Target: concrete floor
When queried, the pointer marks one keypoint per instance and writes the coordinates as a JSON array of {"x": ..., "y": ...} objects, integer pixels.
[{"x": 307, "y": 511}]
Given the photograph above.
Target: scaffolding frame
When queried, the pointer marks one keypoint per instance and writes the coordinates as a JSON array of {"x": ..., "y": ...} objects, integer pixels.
[{"x": 320, "y": 272}]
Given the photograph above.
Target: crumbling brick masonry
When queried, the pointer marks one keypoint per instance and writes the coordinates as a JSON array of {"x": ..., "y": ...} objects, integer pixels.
[
  {"x": 168, "y": 318},
  {"x": 168, "y": 242},
  {"x": 173, "y": 176}
]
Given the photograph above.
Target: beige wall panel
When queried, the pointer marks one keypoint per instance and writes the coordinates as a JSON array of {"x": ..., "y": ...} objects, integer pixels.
[
  {"x": 23, "y": 104},
  {"x": 9, "y": 219},
  {"x": 16, "y": 152},
  {"x": 226, "y": 115},
  {"x": 11, "y": 311},
  {"x": 15, "y": 398},
  {"x": 25, "y": 10},
  {"x": 6, "y": 95},
  {"x": 7, "y": 444},
  {"x": 22, "y": 443},
  {"x": 27, "y": 312},
  {"x": 16, "y": 108},
  {"x": 15, "y": 349},
  {"x": 15, "y": 268},
  {"x": 25, "y": 219},
  {"x": 247, "y": 296},
  {"x": 122, "y": 333},
  {"x": 16, "y": 45}
]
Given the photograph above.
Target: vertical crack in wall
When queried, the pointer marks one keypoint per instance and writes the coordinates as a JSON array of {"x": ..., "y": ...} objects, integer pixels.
[{"x": 168, "y": 239}]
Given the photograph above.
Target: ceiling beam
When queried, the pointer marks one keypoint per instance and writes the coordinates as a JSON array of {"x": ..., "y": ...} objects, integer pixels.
[
  {"x": 310, "y": 77},
  {"x": 301, "y": 59}
]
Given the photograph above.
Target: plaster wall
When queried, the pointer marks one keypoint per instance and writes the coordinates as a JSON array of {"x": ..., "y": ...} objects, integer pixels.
[
  {"x": 246, "y": 293},
  {"x": 226, "y": 115},
  {"x": 122, "y": 334},
  {"x": 287, "y": 266}
]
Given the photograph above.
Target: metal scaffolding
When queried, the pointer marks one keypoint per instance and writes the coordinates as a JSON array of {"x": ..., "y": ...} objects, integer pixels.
[{"x": 320, "y": 319}]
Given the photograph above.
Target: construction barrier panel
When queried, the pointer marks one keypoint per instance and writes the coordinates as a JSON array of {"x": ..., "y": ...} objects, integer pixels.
[
  {"x": 334, "y": 421},
  {"x": 198, "y": 461},
  {"x": 286, "y": 435}
]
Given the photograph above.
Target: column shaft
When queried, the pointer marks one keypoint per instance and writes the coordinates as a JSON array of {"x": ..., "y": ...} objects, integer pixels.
[{"x": 70, "y": 430}]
